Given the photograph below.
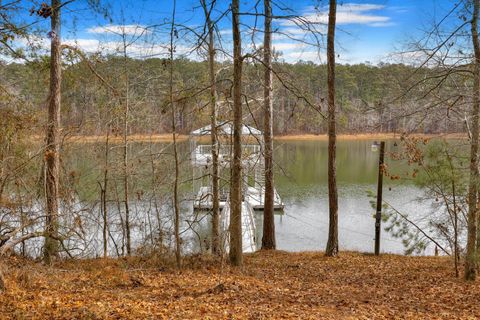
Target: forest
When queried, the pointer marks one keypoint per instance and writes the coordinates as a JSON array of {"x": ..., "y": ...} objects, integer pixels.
[
  {"x": 369, "y": 97},
  {"x": 185, "y": 163}
]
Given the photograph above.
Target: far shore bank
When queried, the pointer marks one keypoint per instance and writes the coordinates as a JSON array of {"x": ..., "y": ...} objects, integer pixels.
[
  {"x": 366, "y": 136},
  {"x": 167, "y": 137}
]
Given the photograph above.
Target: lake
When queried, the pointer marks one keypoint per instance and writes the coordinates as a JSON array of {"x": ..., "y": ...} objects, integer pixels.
[
  {"x": 304, "y": 224},
  {"x": 300, "y": 179}
]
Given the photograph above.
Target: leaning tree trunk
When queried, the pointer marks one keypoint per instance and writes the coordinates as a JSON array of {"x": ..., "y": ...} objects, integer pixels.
[
  {"x": 52, "y": 157},
  {"x": 213, "y": 132},
  {"x": 470, "y": 261},
  {"x": 332, "y": 244},
  {"x": 175, "y": 151},
  {"x": 268, "y": 239},
  {"x": 236, "y": 181}
]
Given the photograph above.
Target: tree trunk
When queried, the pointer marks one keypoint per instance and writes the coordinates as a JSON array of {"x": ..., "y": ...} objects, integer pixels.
[
  {"x": 470, "y": 261},
  {"x": 455, "y": 229},
  {"x": 213, "y": 124},
  {"x": 332, "y": 244},
  {"x": 2, "y": 282},
  {"x": 125, "y": 147},
  {"x": 175, "y": 151},
  {"x": 52, "y": 157},
  {"x": 236, "y": 181},
  {"x": 104, "y": 196},
  {"x": 268, "y": 239}
]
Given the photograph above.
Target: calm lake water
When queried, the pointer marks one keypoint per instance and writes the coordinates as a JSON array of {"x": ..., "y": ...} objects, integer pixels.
[
  {"x": 301, "y": 181},
  {"x": 303, "y": 188}
]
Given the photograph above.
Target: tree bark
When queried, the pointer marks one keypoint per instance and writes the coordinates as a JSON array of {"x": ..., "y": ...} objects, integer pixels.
[
  {"x": 332, "y": 243},
  {"x": 235, "y": 228},
  {"x": 471, "y": 257},
  {"x": 178, "y": 257},
  {"x": 125, "y": 146},
  {"x": 268, "y": 239},
  {"x": 455, "y": 230},
  {"x": 2, "y": 282},
  {"x": 213, "y": 132},
  {"x": 52, "y": 157},
  {"x": 104, "y": 196}
]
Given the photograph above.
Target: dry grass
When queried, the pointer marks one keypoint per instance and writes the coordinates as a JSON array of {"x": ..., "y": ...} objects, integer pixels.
[
  {"x": 271, "y": 285},
  {"x": 166, "y": 137},
  {"x": 364, "y": 136}
]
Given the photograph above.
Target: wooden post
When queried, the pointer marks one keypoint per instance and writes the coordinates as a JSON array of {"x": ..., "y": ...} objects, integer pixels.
[{"x": 378, "y": 216}]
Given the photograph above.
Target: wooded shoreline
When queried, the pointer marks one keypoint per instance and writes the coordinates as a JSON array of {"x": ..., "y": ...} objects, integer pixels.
[
  {"x": 111, "y": 207},
  {"x": 167, "y": 137}
]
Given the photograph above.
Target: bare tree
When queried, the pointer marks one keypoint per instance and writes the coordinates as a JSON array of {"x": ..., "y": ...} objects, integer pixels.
[
  {"x": 52, "y": 157},
  {"x": 470, "y": 262},
  {"x": 173, "y": 31},
  {"x": 332, "y": 244},
  {"x": 103, "y": 190},
  {"x": 235, "y": 228},
  {"x": 126, "y": 114},
  {"x": 213, "y": 125},
  {"x": 268, "y": 240}
]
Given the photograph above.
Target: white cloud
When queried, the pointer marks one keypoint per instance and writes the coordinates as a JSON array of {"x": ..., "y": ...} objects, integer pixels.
[
  {"x": 130, "y": 29},
  {"x": 398, "y": 9},
  {"x": 316, "y": 20},
  {"x": 311, "y": 55},
  {"x": 348, "y": 13},
  {"x": 408, "y": 57},
  {"x": 281, "y": 46},
  {"x": 32, "y": 41},
  {"x": 382, "y": 24},
  {"x": 359, "y": 7},
  {"x": 225, "y": 31},
  {"x": 293, "y": 31},
  {"x": 138, "y": 49},
  {"x": 87, "y": 45}
]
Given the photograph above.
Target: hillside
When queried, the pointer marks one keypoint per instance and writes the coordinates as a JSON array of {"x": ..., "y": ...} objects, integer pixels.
[
  {"x": 276, "y": 285},
  {"x": 368, "y": 97}
]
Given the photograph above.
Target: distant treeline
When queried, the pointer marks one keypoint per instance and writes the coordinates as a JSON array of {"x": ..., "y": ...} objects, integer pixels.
[{"x": 371, "y": 98}]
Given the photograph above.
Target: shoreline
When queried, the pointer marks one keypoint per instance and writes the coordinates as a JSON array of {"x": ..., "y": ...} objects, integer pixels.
[
  {"x": 167, "y": 137},
  {"x": 366, "y": 136}
]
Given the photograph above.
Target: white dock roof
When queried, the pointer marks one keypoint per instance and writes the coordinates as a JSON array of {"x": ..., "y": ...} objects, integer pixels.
[{"x": 226, "y": 128}]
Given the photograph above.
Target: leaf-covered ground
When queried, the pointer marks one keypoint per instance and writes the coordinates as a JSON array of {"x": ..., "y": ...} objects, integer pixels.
[{"x": 271, "y": 285}]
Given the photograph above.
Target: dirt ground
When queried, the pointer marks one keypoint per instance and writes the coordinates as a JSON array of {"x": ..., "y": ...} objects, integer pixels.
[{"x": 271, "y": 285}]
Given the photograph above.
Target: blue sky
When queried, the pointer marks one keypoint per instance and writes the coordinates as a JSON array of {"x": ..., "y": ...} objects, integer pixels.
[{"x": 368, "y": 30}]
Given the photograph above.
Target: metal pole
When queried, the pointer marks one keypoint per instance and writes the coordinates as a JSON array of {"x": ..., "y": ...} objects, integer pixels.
[{"x": 378, "y": 216}]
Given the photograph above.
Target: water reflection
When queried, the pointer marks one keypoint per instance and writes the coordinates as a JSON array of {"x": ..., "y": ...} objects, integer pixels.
[
  {"x": 304, "y": 224},
  {"x": 301, "y": 181}
]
